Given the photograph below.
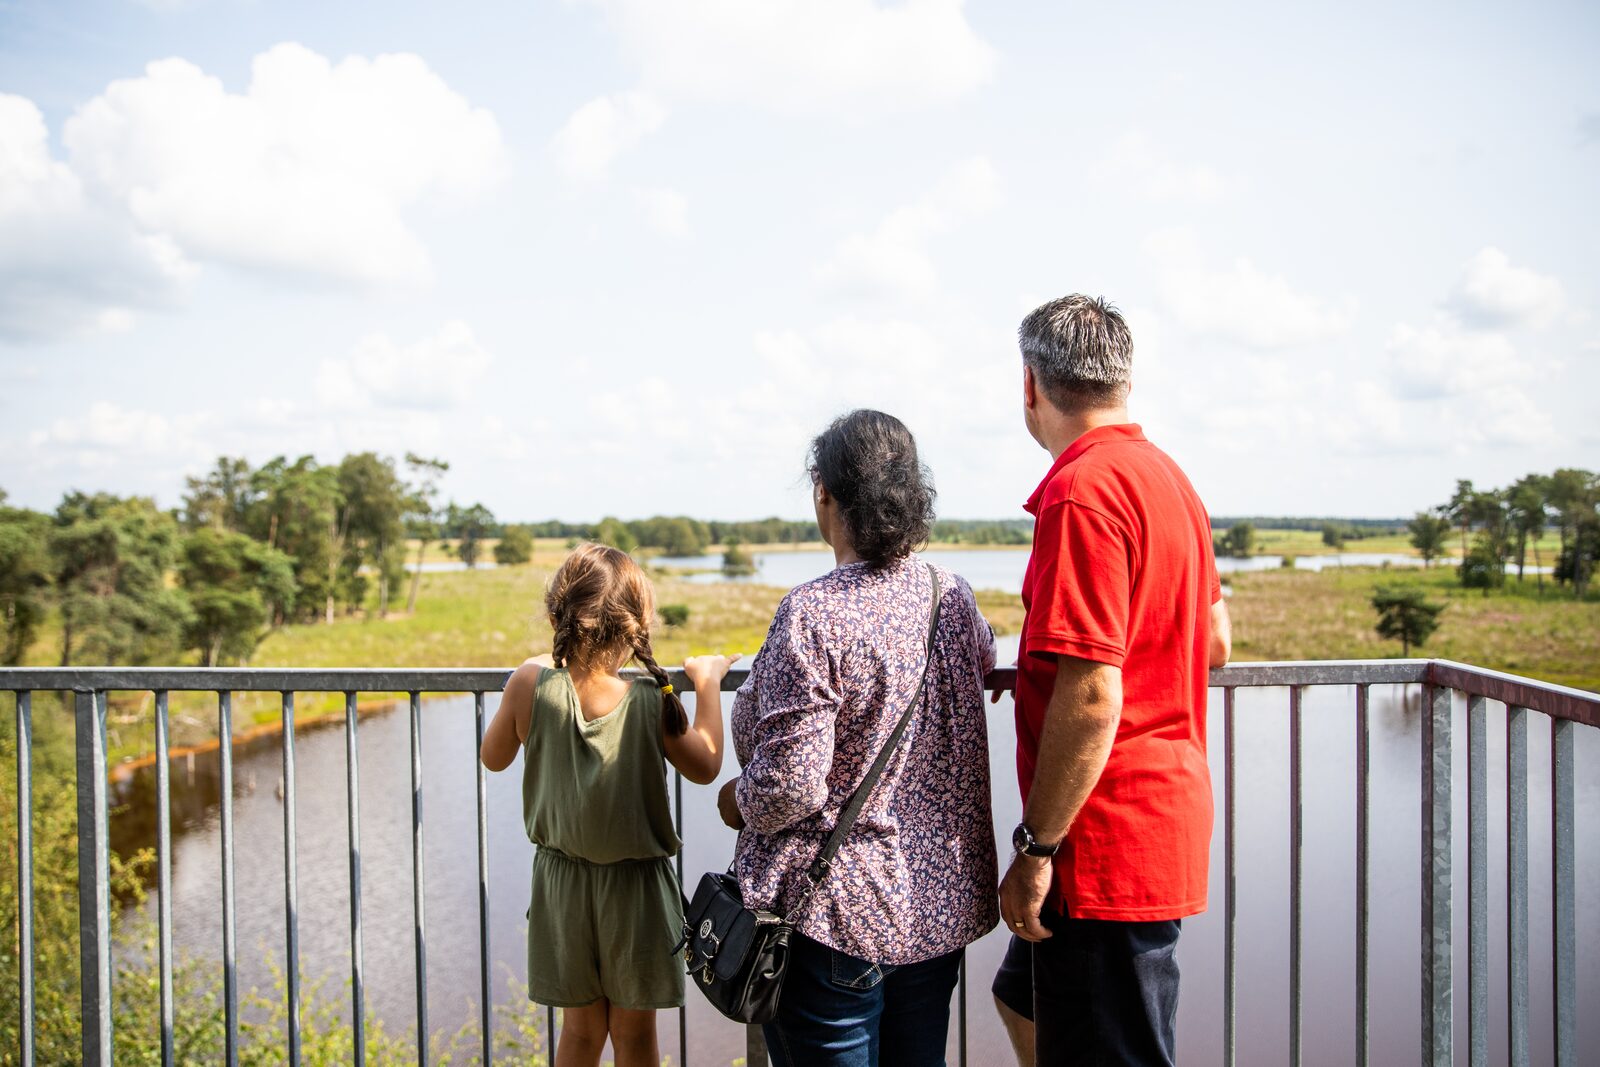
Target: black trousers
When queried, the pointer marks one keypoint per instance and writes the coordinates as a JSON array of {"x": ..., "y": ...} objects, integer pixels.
[{"x": 1105, "y": 994}]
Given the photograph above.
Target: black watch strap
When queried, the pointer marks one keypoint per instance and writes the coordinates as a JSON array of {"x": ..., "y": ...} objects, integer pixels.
[{"x": 1023, "y": 841}]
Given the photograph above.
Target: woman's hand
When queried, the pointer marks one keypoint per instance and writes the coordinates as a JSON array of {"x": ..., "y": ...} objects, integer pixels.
[
  {"x": 708, "y": 669},
  {"x": 728, "y": 805}
]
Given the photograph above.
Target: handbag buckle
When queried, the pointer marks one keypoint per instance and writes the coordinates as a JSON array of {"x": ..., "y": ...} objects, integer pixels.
[{"x": 706, "y": 928}]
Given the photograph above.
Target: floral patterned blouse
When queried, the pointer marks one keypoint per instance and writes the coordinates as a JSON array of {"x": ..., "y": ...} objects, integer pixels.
[{"x": 916, "y": 877}]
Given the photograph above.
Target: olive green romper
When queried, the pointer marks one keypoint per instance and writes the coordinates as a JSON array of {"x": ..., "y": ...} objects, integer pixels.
[{"x": 606, "y": 908}]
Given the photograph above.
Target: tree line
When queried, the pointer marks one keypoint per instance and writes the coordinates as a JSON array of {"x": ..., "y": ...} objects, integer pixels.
[
  {"x": 249, "y": 549},
  {"x": 1498, "y": 527}
]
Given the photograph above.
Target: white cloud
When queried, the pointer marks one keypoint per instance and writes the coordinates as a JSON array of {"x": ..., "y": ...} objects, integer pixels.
[
  {"x": 1442, "y": 360},
  {"x": 1491, "y": 293},
  {"x": 110, "y": 427},
  {"x": 852, "y": 57},
  {"x": 67, "y": 266},
  {"x": 603, "y": 129},
  {"x": 1135, "y": 164},
  {"x": 435, "y": 373},
  {"x": 894, "y": 258},
  {"x": 1239, "y": 303},
  {"x": 310, "y": 170},
  {"x": 666, "y": 211}
]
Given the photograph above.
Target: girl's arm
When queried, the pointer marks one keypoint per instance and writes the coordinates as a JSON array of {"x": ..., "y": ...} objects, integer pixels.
[
  {"x": 509, "y": 727},
  {"x": 697, "y": 752}
]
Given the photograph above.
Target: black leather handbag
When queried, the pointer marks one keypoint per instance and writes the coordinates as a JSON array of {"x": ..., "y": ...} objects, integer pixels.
[{"x": 737, "y": 955}]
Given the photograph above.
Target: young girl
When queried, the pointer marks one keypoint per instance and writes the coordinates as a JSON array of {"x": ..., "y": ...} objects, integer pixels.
[{"x": 606, "y": 907}]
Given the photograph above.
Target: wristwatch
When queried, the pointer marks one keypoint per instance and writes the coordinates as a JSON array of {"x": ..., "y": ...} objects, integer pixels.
[{"x": 1023, "y": 841}]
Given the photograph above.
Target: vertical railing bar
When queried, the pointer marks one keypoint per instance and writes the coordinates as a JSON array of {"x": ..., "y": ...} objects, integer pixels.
[
  {"x": 230, "y": 961},
  {"x": 1477, "y": 882},
  {"x": 677, "y": 816},
  {"x": 1363, "y": 874},
  {"x": 353, "y": 814},
  {"x": 1517, "y": 887},
  {"x": 1564, "y": 935},
  {"x": 25, "y": 876},
  {"x": 1437, "y": 1018},
  {"x": 1230, "y": 907},
  {"x": 164, "y": 875},
  {"x": 94, "y": 902},
  {"x": 485, "y": 1017},
  {"x": 418, "y": 889},
  {"x": 1296, "y": 872},
  {"x": 291, "y": 883}
]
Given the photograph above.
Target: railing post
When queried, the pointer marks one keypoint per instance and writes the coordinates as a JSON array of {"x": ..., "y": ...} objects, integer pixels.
[
  {"x": 230, "y": 955},
  {"x": 1564, "y": 929},
  {"x": 94, "y": 879},
  {"x": 25, "y": 876},
  {"x": 418, "y": 881},
  {"x": 677, "y": 817},
  {"x": 485, "y": 1013},
  {"x": 1517, "y": 886},
  {"x": 1230, "y": 898},
  {"x": 1437, "y": 1019},
  {"x": 1296, "y": 873},
  {"x": 1363, "y": 875},
  {"x": 164, "y": 877},
  {"x": 358, "y": 1008},
  {"x": 291, "y": 883},
  {"x": 1477, "y": 883}
]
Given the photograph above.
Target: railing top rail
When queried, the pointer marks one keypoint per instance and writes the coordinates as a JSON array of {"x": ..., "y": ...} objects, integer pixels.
[
  {"x": 1322, "y": 672},
  {"x": 1555, "y": 700}
]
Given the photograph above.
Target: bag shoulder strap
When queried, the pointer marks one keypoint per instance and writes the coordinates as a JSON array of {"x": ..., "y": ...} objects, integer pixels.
[{"x": 858, "y": 800}]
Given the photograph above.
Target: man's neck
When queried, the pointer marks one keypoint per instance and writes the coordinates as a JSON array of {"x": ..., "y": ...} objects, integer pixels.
[{"x": 1058, "y": 430}]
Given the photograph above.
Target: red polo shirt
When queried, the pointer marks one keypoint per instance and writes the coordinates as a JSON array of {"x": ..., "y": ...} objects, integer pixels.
[{"x": 1122, "y": 573}]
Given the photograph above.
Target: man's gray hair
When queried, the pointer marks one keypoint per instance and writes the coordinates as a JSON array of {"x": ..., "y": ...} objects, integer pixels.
[{"x": 1080, "y": 351}]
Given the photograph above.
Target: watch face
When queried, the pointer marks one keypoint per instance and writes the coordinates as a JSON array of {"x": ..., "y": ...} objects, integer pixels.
[{"x": 1020, "y": 838}]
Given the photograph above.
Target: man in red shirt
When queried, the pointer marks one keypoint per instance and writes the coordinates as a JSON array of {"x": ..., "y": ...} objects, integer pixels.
[{"x": 1124, "y": 617}]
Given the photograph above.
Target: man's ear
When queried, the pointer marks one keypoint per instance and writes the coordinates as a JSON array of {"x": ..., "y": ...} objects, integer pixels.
[{"x": 1030, "y": 389}]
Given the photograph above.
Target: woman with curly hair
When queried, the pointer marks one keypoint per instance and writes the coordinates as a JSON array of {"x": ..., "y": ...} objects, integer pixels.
[{"x": 878, "y": 942}]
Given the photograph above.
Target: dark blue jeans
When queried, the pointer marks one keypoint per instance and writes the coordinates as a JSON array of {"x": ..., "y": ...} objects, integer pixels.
[
  {"x": 1106, "y": 993},
  {"x": 839, "y": 1011}
]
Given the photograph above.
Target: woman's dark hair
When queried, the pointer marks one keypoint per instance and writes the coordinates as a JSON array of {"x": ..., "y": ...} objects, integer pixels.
[
  {"x": 868, "y": 463},
  {"x": 600, "y": 604}
]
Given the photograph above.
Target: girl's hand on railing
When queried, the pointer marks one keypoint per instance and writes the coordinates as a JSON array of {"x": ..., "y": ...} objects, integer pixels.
[{"x": 703, "y": 669}]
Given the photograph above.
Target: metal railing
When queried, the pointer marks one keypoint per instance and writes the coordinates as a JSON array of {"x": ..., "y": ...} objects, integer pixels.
[{"x": 1440, "y": 679}]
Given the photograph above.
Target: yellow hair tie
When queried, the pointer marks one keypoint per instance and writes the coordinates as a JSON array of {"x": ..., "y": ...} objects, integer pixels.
[{"x": 666, "y": 690}]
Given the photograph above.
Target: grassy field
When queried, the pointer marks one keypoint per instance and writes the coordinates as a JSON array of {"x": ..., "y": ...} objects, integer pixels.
[
  {"x": 1273, "y": 542},
  {"x": 1292, "y": 614}
]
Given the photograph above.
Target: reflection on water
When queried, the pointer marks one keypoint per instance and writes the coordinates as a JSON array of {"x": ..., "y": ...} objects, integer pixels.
[{"x": 449, "y": 804}]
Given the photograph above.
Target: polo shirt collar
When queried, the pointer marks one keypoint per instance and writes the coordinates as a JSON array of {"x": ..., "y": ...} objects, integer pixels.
[{"x": 1121, "y": 431}]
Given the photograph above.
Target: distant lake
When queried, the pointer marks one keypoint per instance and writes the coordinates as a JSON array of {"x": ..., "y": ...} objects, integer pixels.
[
  {"x": 437, "y": 566},
  {"x": 983, "y": 568}
]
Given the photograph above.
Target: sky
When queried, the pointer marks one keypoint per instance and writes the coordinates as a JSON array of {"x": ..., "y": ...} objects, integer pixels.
[{"x": 627, "y": 256}]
